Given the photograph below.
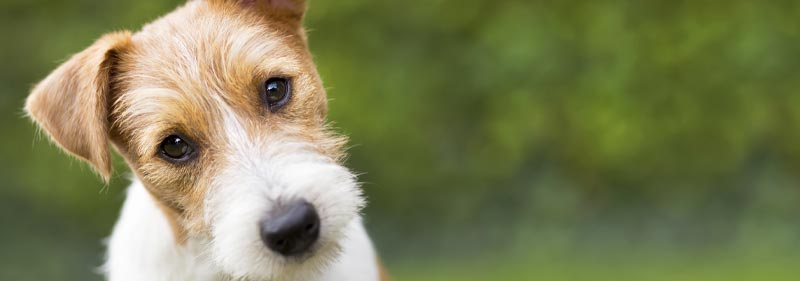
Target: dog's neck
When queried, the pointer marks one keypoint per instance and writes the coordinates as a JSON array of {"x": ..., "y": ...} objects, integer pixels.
[{"x": 143, "y": 243}]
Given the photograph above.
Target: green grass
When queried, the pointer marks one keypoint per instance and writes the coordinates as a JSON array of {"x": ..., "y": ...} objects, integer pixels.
[{"x": 612, "y": 267}]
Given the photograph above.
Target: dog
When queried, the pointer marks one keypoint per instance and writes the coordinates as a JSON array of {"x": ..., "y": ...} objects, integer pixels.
[{"x": 219, "y": 112}]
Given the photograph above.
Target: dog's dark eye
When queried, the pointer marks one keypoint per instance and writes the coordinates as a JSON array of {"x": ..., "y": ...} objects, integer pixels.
[
  {"x": 176, "y": 148},
  {"x": 277, "y": 92}
]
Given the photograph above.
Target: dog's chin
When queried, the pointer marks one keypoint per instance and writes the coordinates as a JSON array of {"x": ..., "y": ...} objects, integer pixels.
[{"x": 272, "y": 267}]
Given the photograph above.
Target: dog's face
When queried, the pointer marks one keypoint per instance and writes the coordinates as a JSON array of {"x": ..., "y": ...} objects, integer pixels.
[{"x": 219, "y": 111}]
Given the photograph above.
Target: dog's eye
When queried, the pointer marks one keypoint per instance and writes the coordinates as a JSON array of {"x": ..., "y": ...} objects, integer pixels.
[
  {"x": 176, "y": 148},
  {"x": 277, "y": 92}
]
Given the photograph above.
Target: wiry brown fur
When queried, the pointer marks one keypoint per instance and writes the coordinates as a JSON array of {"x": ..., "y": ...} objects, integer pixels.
[
  {"x": 187, "y": 74},
  {"x": 187, "y": 91},
  {"x": 160, "y": 82}
]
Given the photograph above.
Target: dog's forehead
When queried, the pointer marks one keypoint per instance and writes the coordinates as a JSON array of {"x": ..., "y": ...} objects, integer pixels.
[{"x": 201, "y": 48}]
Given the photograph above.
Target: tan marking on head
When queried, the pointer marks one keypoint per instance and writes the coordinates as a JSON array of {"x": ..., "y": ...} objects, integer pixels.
[
  {"x": 181, "y": 75},
  {"x": 288, "y": 13},
  {"x": 192, "y": 70}
]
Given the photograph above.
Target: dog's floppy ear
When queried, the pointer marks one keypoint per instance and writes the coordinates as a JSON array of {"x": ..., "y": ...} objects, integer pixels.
[
  {"x": 289, "y": 11},
  {"x": 71, "y": 104}
]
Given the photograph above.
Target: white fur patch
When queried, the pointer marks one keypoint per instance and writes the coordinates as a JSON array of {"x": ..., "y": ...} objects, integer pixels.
[{"x": 143, "y": 246}]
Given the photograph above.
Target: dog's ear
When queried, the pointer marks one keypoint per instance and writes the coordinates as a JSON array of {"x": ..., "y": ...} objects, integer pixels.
[
  {"x": 289, "y": 11},
  {"x": 71, "y": 104}
]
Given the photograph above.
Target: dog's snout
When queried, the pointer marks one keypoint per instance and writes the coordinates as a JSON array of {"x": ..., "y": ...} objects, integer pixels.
[{"x": 291, "y": 229}]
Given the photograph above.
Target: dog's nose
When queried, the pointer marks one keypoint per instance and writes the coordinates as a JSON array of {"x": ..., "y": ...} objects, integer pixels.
[{"x": 291, "y": 229}]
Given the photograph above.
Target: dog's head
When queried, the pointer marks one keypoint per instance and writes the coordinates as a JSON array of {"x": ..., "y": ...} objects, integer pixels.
[{"x": 219, "y": 111}]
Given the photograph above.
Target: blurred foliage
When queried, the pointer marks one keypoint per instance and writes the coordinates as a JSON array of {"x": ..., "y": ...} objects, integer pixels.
[{"x": 552, "y": 133}]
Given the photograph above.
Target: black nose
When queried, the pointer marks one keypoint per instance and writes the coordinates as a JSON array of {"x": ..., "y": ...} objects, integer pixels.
[{"x": 291, "y": 229}]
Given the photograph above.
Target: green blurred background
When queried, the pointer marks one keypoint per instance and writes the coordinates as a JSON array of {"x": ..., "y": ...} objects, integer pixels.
[{"x": 499, "y": 140}]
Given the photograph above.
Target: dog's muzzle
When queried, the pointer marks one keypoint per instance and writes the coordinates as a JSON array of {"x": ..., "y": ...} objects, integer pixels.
[{"x": 291, "y": 229}]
